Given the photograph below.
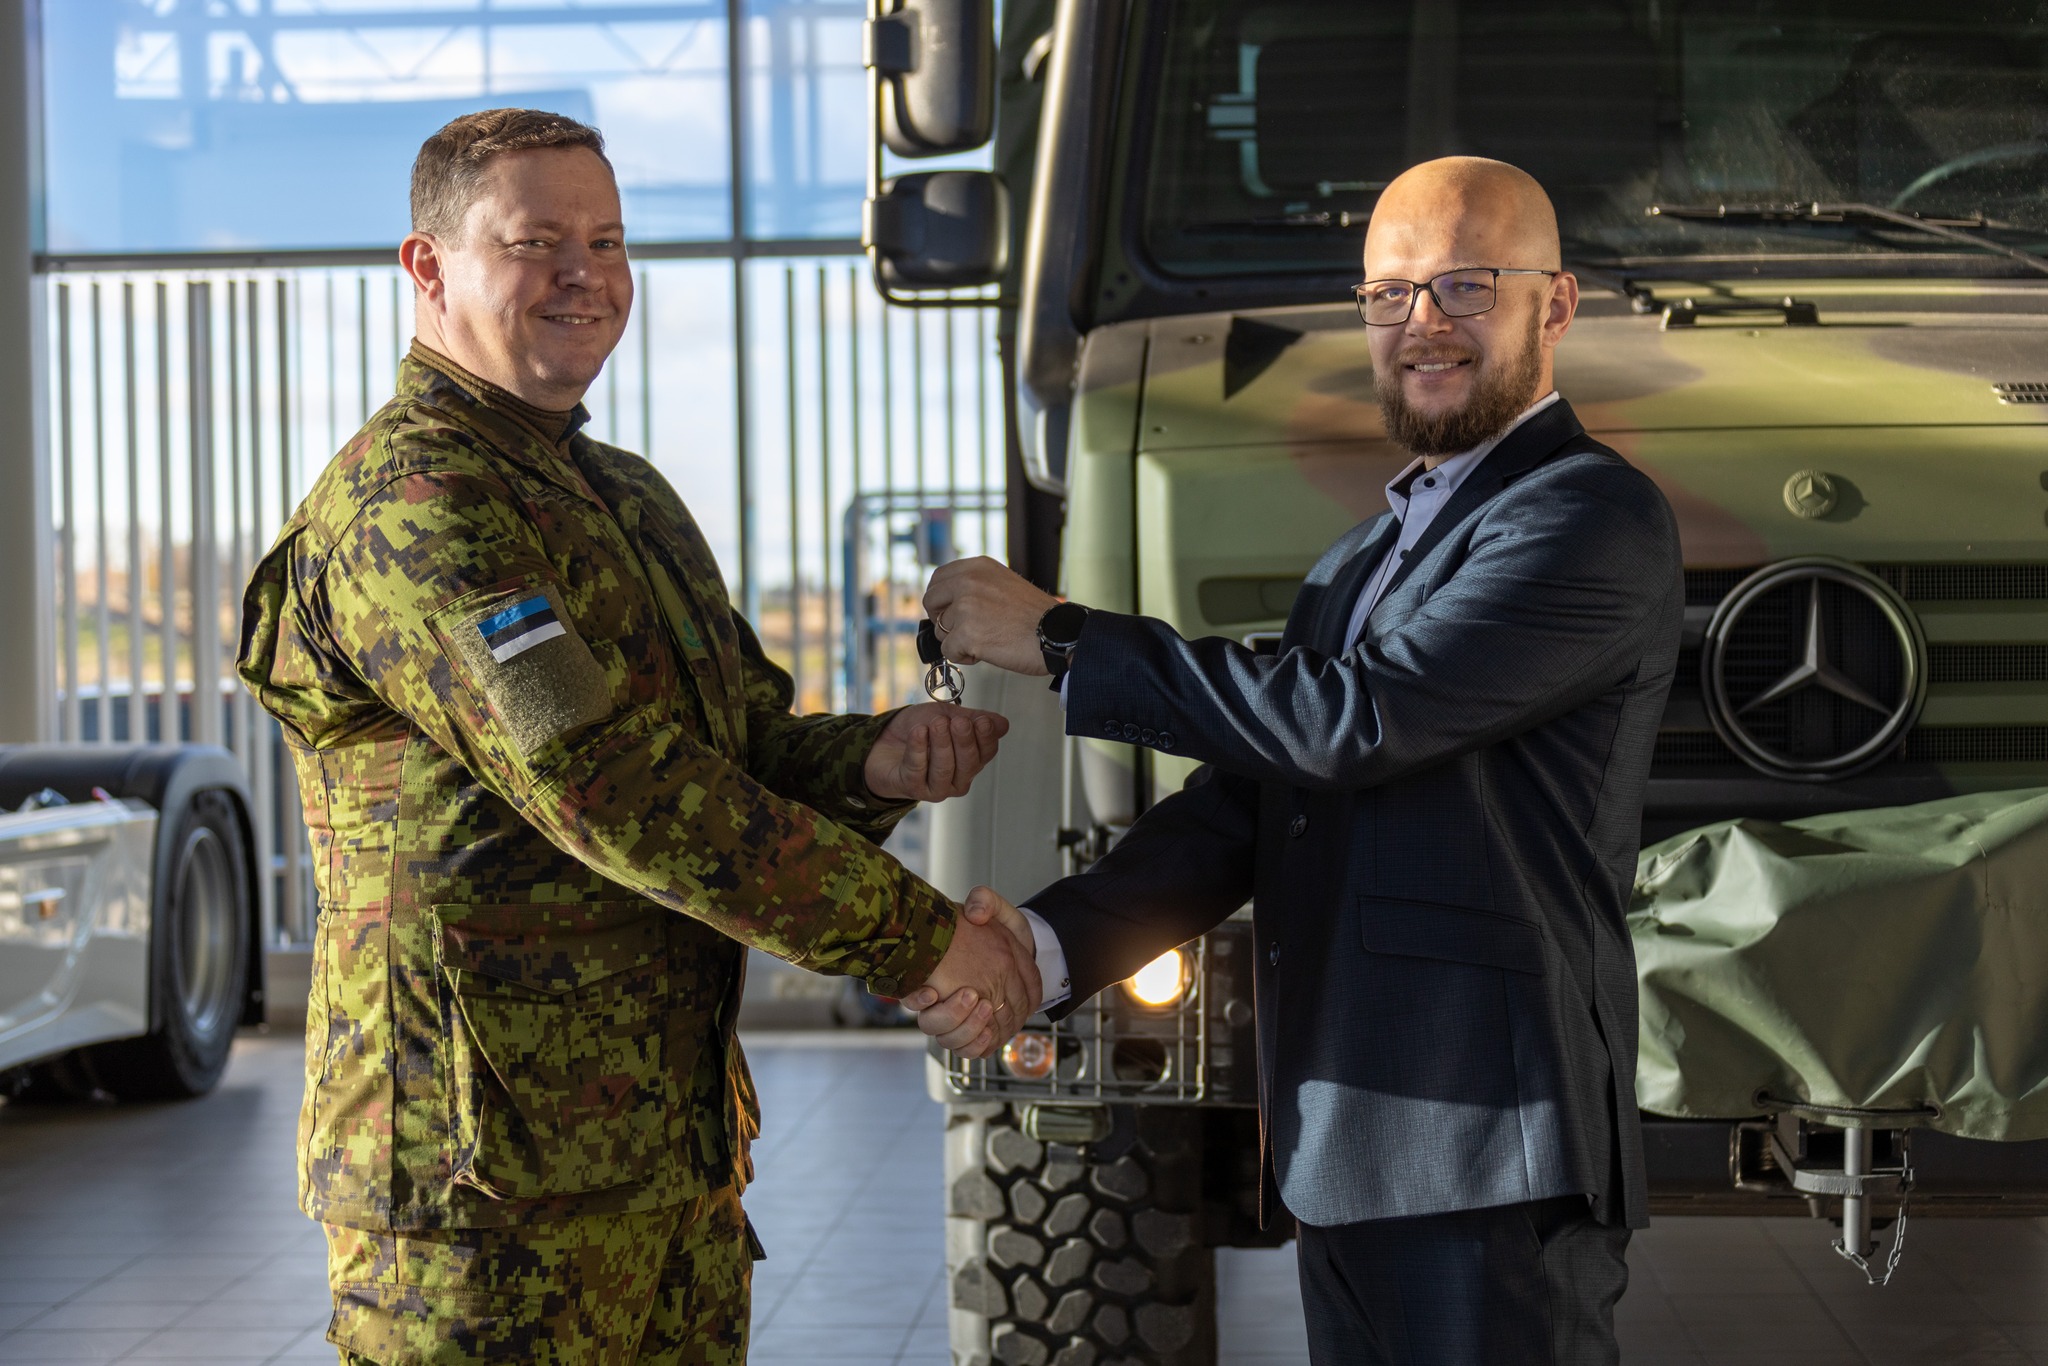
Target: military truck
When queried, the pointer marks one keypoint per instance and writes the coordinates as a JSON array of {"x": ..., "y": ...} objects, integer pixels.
[
  {"x": 1813, "y": 241},
  {"x": 130, "y": 945}
]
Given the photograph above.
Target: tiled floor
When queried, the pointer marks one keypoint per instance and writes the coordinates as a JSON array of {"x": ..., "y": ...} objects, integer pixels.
[
  {"x": 162, "y": 1232},
  {"x": 168, "y": 1233}
]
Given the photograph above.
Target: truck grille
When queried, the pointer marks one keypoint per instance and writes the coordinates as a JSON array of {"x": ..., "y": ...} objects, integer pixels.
[
  {"x": 1913, "y": 582},
  {"x": 1927, "y": 745},
  {"x": 1978, "y": 745},
  {"x": 1966, "y": 582},
  {"x": 1987, "y": 663},
  {"x": 1706, "y": 587},
  {"x": 1957, "y": 671}
]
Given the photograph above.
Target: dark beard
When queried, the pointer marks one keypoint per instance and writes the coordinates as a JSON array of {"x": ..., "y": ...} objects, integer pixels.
[{"x": 1504, "y": 389}]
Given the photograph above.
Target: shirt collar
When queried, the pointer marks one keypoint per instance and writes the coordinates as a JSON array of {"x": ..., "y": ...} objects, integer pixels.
[
  {"x": 554, "y": 426},
  {"x": 421, "y": 378},
  {"x": 1452, "y": 469}
]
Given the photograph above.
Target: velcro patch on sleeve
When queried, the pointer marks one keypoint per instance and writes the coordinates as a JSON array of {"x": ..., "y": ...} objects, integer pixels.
[
  {"x": 521, "y": 650},
  {"x": 518, "y": 628}
]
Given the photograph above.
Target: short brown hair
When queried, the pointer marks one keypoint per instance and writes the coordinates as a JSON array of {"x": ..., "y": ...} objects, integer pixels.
[{"x": 451, "y": 163}]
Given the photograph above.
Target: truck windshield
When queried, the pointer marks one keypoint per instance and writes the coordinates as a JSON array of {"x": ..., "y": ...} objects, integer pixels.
[{"x": 1275, "y": 124}]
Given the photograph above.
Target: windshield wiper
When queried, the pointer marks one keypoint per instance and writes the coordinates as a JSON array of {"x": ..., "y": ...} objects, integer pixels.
[
  {"x": 1318, "y": 221},
  {"x": 1949, "y": 229}
]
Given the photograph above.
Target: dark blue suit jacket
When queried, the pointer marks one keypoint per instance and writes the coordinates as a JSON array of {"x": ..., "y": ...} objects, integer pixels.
[{"x": 1438, "y": 831}]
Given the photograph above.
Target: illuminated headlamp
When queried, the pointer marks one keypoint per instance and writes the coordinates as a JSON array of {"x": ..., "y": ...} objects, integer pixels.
[
  {"x": 1030, "y": 1056},
  {"x": 1161, "y": 982}
]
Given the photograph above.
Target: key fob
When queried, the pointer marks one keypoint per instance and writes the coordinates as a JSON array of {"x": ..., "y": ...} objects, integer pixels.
[{"x": 942, "y": 682}]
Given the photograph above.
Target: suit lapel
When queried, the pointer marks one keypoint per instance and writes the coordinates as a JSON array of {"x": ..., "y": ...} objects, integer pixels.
[
  {"x": 1528, "y": 446},
  {"x": 1342, "y": 596}
]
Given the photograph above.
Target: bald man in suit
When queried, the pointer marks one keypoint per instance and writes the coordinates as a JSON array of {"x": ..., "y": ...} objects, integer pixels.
[{"x": 1432, "y": 794}]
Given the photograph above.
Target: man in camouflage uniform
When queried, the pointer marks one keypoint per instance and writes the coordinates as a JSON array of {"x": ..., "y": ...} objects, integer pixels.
[{"x": 554, "y": 790}]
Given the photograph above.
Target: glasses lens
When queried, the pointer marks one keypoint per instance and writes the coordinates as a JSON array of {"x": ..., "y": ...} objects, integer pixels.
[
  {"x": 1461, "y": 293},
  {"x": 1382, "y": 302}
]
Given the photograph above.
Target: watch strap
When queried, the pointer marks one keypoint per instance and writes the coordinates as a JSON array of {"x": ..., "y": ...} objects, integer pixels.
[{"x": 1059, "y": 631}]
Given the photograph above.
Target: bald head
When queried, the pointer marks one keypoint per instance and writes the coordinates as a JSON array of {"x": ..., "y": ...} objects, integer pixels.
[
  {"x": 1450, "y": 381},
  {"x": 1460, "y": 211}
]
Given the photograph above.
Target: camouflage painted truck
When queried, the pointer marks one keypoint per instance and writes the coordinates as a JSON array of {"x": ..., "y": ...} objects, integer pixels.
[{"x": 1813, "y": 241}]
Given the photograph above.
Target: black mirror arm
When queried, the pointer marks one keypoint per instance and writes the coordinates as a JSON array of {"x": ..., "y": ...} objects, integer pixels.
[{"x": 890, "y": 43}]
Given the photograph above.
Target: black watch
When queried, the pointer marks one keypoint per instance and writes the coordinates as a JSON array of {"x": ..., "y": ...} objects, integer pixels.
[{"x": 1059, "y": 631}]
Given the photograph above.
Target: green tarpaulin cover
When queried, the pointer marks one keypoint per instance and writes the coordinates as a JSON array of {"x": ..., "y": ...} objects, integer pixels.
[{"x": 1873, "y": 959}]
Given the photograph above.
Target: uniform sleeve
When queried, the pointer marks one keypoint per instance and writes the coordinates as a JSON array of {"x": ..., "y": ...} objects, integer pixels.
[
  {"x": 819, "y": 760},
  {"x": 441, "y": 595}
]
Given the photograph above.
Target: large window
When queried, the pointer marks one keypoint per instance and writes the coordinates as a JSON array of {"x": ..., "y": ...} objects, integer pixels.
[
  {"x": 831, "y": 450},
  {"x": 234, "y": 125}
]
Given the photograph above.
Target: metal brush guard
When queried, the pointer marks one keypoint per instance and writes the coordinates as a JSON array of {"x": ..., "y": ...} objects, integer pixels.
[{"x": 1086, "y": 1045}]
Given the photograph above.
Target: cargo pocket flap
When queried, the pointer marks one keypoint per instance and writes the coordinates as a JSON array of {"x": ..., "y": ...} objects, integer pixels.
[
  {"x": 1457, "y": 934},
  {"x": 550, "y": 949}
]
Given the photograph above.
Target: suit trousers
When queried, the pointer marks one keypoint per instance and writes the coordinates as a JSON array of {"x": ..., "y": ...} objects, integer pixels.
[{"x": 1514, "y": 1285}]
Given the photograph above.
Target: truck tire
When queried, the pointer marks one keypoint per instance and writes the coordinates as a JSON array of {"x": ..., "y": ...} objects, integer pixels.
[
  {"x": 198, "y": 947},
  {"x": 1066, "y": 1256}
]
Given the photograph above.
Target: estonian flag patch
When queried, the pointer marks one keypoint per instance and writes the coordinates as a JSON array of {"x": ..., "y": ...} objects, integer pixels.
[{"x": 519, "y": 628}]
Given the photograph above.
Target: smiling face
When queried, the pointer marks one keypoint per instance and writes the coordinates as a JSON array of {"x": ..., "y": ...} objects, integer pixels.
[
  {"x": 1447, "y": 384},
  {"x": 535, "y": 292}
]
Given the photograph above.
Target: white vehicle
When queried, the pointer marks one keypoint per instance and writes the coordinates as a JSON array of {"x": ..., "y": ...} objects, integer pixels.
[{"x": 129, "y": 945}]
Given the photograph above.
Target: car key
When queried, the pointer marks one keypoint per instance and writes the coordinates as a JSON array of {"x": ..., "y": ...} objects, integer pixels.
[{"x": 941, "y": 680}]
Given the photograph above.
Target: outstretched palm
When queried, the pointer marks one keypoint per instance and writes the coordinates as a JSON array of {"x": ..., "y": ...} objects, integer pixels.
[{"x": 932, "y": 751}]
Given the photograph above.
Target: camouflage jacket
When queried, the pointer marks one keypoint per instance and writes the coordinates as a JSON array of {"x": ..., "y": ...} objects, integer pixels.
[{"x": 553, "y": 788}]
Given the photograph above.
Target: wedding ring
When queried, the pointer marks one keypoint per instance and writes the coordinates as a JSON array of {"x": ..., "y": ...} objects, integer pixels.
[{"x": 939, "y": 622}]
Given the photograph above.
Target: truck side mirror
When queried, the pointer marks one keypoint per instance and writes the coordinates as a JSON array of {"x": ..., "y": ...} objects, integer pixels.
[
  {"x": 940, "y": 230},
  {"x": 936, "y": 61}
]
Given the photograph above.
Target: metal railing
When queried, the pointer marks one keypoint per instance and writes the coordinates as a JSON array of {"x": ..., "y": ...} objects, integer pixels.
[{"x": 841, "y": 453}]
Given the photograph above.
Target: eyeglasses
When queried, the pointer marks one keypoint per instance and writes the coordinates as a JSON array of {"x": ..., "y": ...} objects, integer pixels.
[{"x": 1458, "y": 294}]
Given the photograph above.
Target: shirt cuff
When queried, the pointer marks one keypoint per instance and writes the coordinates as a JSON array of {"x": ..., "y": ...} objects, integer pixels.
[{"x": 1052, "y": 960}]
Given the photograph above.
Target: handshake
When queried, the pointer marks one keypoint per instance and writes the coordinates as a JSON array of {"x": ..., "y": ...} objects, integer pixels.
[{"x": 987, "y": 985}]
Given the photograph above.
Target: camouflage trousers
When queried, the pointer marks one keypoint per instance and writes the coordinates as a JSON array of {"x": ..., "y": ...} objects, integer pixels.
[{"x": 669, "y": 1286}]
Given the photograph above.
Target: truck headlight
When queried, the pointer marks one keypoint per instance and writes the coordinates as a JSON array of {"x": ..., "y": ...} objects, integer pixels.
[
  {"x": 1030, "y": 1056},
  {"x": 1161, "y": 982}
]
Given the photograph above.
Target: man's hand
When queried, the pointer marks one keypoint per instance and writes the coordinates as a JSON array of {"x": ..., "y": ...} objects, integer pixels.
[
  {"x": 932, "y": 751},
  {"x": 985, "y": 612},
  {"x": 987, "y": 985}
]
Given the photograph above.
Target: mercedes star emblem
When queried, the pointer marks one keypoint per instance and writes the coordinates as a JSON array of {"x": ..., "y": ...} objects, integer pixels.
[
  {"x": 1811, "y": 494},
  {"x": 1891, "y": 655}
]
